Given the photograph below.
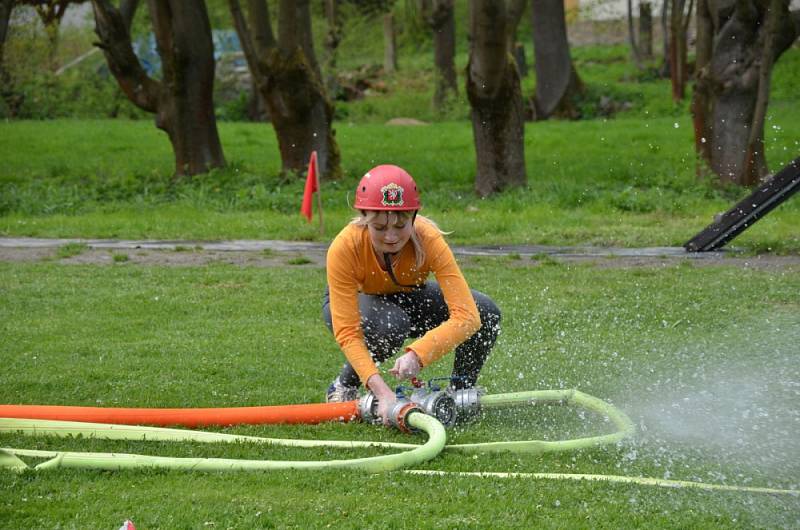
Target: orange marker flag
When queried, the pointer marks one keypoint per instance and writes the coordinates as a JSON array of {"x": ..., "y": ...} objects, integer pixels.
[{"x": 312, "y": 185}]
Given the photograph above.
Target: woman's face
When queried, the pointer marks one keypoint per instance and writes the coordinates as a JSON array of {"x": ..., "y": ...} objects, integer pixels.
[{"x": 389, "y": 231}]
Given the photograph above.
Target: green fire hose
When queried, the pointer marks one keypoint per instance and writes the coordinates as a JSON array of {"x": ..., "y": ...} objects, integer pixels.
[
  {"x": 414, "y": 453},
  {"x": 114, "y": 461},
  {"x": 621, "y": 421}
]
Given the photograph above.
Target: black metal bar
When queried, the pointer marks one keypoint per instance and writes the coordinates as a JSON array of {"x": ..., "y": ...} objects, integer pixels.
[{"x": 747, "y": 211}]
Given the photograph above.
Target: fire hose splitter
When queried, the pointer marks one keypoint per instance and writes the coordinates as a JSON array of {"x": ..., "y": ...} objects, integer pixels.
[{"x": 449, "y": 405}]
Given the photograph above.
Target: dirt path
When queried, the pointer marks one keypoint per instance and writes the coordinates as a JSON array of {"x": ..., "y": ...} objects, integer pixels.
[{"x": 257, "y": 253}]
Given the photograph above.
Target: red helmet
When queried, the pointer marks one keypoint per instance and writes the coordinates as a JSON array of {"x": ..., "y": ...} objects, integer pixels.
[{"x": 387, "y": 187}]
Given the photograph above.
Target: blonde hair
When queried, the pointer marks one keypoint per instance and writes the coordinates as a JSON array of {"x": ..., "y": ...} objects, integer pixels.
[{"x": 367, "y": 216}]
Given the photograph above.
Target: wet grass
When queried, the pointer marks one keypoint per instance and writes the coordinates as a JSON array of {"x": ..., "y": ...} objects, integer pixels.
[{"x": 703, "y": 359}]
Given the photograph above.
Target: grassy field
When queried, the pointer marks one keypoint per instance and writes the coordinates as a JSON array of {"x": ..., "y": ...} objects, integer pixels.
[
  {"x": 710, "y": 386},
  {"x": 619, "y": 182},
  {"x": 627, "y": 181},
  {"x": 704, "y": 359}
]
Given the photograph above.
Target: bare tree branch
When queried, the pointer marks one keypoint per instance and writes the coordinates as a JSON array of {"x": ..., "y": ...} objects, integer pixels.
[
  {"x": 127, "y": 9},
  {"x": 245, "y": 38},
  {"x": 263, "y": 37},
  {"x": 516, "y": 8},
  {"x": 687, "y": 18},
  {"x": 115, "y": 41}
]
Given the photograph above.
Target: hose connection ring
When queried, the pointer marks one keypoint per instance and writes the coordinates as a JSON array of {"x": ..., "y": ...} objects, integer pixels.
[
  {"x": 467, "y": 401},
  {"x": 368, "y": 410},
  {"x": 399, "y": 415}
]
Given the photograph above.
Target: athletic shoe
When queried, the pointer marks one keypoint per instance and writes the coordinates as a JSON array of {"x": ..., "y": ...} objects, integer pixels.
[{"x": 338, "y": 393}]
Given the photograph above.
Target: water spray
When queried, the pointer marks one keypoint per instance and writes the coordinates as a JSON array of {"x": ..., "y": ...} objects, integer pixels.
[{"x": 423, "y": 409}]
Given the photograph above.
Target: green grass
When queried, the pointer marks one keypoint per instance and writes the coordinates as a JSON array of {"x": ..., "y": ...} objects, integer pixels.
[
  {"x": 702, "y": 358},
  {"x": 619, "y": 182},
  {"x": 625, "y": 181},
  {"x": 298, "y": 260},
  {"x": 71, "y": 249}
]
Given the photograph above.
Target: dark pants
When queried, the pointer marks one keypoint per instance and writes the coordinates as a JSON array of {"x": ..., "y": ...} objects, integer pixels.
[{"x": 388, "y": 320}]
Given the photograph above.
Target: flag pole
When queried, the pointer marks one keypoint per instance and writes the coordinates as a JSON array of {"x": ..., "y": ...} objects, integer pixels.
[{"x": 319, "y": 201}]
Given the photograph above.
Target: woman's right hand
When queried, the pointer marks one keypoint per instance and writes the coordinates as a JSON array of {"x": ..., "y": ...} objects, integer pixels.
[
  {"x": 385, "y": 405},
  {"x": 385, "y": 396}
]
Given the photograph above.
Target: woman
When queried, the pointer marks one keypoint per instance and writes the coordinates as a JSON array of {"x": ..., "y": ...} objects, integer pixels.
[{"x": 378, "y": 294}]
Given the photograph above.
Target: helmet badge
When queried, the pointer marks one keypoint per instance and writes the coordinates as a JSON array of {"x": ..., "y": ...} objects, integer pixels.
[{"x": 392, "y": 195}]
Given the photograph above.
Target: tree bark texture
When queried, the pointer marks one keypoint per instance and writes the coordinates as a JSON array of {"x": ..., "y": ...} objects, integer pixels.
[
  {"x": 127, "y": 9},
  {"x": 50, "y": 12},
  {"x": 516, "y": 8},
  {"x": 332, "y": 39},
  {"x": 664, "y": 70},
  {"x": 182, "y": 101},
  {"x": 289, "y": 80},
  {"x": 732, "y": 84},
  {"x": 6, "y": 88},
  {"x": 440, "y": 17},
  {"x": 678, "y": 47},
  {"x": 557, "y": 83},
  {"x": 637, "y": 57},
  {"x": 495, "y": 97},
  {"x": 6, "y": 7},
  {"x": 701, "y": 96},
  {"x": 389, "y": 44}
]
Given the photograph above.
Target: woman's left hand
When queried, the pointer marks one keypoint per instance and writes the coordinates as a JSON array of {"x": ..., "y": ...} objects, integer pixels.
[{"x": 406, "y": 366}]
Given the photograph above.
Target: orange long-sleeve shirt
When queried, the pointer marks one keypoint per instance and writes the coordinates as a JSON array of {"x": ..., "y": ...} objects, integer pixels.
[{"x": 353, "y": 267}]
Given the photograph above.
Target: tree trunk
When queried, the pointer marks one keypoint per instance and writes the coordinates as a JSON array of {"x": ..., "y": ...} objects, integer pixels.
[
  {"x": 701, "y": 95},
  {"x": 440, "y": 16},
  {"x": 186, "y": 109},
  {"x": 303, "y": 32},
  {"x": 732, "y": 87},
  {"x": 677, "y": 50},
  {"x": 290, "y": 83},
  {"x": 494, "y": 93},
  {"x": 182, "y": 102},
  {"x": 50, "y": 13},
  {"x": 645, "y": 30},
  {"x": 637, "y": 57},
  {"x": 127, "y": 9},
  {"x": 332, "y": 39},
  {"x": 6, "y": 89},
  {"x": 516, "y": 8},
  {"x": 664, "y": 70},
  {"x": 6, "y": 7},
  {"x": 755, "y": 161},
  {"x": 557, "y": 82},
  {"x": 389, "y": 44}
]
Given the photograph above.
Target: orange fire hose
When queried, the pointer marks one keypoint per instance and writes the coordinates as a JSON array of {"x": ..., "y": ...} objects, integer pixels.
[{"x": 198, "y": 417}]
